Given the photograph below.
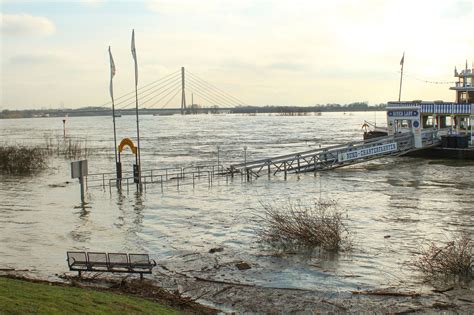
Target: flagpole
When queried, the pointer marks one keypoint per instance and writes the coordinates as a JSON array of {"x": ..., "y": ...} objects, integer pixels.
[
  {"x": 112, "y": 73},
  {"x": 138, "y": 159},
  {"x": 402, "y": 62}
]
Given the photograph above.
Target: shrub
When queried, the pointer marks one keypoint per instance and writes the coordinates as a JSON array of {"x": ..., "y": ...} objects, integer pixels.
[
  {"x": 294, "y": 224},
  {"x": 19, "y": 160},
  {"x": 451, "y": 258}
]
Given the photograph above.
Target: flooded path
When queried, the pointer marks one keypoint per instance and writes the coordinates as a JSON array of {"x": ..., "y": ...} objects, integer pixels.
[{"x": 393, "y": 205}]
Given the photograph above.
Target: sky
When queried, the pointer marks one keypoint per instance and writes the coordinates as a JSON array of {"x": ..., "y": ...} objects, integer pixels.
[{"x": 264, "y": 52}]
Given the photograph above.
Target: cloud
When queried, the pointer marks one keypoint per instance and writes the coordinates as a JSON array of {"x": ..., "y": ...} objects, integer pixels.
[
  {"x": 36, "y": 59},
  {"x": 93, "y": 3},
  {"x": 173, "y": 7},
  {"x": 26, "y": 25}
]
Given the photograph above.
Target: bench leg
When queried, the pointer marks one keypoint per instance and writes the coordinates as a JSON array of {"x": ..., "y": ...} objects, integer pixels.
[
  {"x": 141, "y": 276},
  {"x": 79, "y": 272}
]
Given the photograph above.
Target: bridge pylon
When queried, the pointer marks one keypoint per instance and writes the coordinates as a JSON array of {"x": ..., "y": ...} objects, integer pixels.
[{"x": 183, "y": 93}]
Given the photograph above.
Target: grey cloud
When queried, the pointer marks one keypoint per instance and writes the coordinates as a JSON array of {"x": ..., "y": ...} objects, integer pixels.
[
  {"x": 35, "y": 59},
  {"x": 17, "y": 25}
]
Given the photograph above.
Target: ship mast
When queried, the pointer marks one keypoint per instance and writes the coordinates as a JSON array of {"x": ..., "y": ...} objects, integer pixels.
[{"x": 401, "y": 77}]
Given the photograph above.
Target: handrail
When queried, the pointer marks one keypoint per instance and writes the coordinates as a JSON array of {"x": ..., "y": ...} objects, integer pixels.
[{"x": 322, "y": 150}]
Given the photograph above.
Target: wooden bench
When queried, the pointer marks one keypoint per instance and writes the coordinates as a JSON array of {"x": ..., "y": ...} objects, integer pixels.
[{"x": 110, "y": 262}]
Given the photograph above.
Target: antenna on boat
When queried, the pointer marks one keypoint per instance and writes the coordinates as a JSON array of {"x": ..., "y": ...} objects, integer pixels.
[{"x": 401, "y": 77}]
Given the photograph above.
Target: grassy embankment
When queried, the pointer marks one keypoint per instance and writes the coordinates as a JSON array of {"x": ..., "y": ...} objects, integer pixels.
[{"x": 23, "y": 297}]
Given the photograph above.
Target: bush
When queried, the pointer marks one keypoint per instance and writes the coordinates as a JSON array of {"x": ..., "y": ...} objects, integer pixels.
[
  {"x": 19, "y": 160},
  {"x": 451, "y": 258},
  {"x": 294, "y": 224}
]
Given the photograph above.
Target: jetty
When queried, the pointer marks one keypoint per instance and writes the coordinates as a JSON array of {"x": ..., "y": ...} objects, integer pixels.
[{"x": 339, "y": 155}]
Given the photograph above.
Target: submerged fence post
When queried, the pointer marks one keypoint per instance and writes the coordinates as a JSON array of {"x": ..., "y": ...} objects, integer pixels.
[
  {"x": 161, "y": 182},
  {"x": 314, "y": 165}
]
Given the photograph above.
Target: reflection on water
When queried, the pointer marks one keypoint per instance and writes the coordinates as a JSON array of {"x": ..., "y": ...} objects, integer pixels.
[{"x": 393, "y": 204}]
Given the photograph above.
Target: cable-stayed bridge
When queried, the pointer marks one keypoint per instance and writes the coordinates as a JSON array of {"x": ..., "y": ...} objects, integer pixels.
[{"x": 178, "y": 92}]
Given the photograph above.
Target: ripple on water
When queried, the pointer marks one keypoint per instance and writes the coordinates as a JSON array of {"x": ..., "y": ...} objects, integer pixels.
[{"x": 393, "y": 205}]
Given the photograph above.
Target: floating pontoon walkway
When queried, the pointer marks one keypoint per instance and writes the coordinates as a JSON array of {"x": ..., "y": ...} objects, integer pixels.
[{"x": 336, "y": 156}]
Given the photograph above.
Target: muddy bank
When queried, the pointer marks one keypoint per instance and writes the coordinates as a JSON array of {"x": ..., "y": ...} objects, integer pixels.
[
  {"x": 229, "y": 296},
  {"x": 194, "y": 294}
]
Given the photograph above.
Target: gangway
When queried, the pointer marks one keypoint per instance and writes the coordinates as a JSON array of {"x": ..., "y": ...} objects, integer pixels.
[{"x": 336, "y": 156}]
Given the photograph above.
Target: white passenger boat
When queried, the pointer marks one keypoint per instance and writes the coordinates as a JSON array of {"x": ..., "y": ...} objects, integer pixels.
[{"x": 452, "y": 121}]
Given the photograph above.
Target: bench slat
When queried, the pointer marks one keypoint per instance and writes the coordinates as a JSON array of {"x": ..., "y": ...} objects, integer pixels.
[{"x": 110, "y": 262}]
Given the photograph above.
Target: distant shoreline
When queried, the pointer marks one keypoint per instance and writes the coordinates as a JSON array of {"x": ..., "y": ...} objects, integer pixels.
[{"x": 283, "y": 110}]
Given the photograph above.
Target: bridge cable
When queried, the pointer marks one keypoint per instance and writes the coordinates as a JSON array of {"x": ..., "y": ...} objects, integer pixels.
[
  {"x": 207, "y": 90},
  {"x": 155, "y": 89},
  {"x": 202, "y": 84},
  {"x": 213, "y": 100},
  {"x": 238, "y": 100},
  {"x": 164, "y": 88}
]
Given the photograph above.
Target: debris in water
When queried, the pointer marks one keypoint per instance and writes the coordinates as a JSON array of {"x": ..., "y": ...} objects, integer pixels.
[
  {"x": 216, "y": 250},
  {"x": 242, "y": 265}
]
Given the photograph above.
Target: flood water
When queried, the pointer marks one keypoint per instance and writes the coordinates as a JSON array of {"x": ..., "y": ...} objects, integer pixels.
[{"x": 393, "y": 205}]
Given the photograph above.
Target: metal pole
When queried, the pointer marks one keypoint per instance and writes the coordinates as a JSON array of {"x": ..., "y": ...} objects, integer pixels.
[
  {"x": 112, "y": 73},
  {"x": 245, "y": 156},
  {"x": 402, "y": 62},
  {"x": 115, "y": 142},
  {"x": 81, "y": 181},
  {"x": 218, "y": 162},
  {"x": 138, "y": 155}
]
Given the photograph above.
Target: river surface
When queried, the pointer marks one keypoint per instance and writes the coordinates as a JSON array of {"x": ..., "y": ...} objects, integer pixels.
[{"x": 393, "y": 205}]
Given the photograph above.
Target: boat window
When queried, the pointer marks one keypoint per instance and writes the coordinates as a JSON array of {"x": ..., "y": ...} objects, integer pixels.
[
  {"x": 428, "y": 122},
  {"x": 449, "y": 121}
]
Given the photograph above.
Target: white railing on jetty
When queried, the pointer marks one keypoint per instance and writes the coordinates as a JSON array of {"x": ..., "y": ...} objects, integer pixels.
[{"x": 335, "y": 156}]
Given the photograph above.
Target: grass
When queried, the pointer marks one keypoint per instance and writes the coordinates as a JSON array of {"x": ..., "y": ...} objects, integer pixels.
[
  {"x": 23, "y": 297},
  {"x": 315, "y": 225},
  {"x": 453, "y": 258},
  {"x": 68, "y": 147},
  {"x": 20, "y": 160}
]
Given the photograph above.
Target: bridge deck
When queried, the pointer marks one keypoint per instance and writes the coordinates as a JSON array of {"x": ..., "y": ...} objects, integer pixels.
[{"x": 335, "y": 156}]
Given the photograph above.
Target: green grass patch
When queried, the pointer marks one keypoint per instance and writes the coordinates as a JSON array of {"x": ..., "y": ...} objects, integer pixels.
[{"x": 23, "y": 297}]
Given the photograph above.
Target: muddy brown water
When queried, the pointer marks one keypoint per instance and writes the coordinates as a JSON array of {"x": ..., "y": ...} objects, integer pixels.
[{"x": 393, "y": 205}]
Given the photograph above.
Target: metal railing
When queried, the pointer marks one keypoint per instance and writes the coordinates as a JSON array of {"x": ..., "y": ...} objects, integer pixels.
[{"x": 153, "y": 176}]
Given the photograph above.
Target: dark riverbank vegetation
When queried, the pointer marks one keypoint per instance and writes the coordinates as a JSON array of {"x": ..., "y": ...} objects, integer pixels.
[
  {"x": 22, "y": 160},
  {"x": 320, "y": 224},
  {"x": 193, "y": 109},
  {"x": 27, "y": 160},
  {"x": 452, "y": 258}
]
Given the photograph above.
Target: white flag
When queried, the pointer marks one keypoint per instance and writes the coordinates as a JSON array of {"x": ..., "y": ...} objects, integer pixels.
[
  {"x": 134, "y": 54},
  {"x": 112, "y": 73}
]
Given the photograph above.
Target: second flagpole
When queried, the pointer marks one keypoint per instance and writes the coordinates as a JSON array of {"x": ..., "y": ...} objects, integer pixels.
[{"x": 138, "y": 159}]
